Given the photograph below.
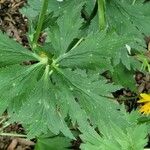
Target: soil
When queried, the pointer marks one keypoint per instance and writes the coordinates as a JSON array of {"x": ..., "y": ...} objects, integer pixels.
[
  {"x": 15, "y": 26},
  {"x": 11, "y": 21}
]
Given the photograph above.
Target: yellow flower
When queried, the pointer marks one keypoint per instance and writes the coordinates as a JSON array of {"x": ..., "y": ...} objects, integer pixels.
[{"x": 145, "y": 99}]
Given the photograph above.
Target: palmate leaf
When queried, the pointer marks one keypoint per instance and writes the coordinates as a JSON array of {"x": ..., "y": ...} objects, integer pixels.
[
  {"x": 59, "y": 91},
  {"x": 124, "y": 77},
  {"x": 13, "y": 74},
  {"x": 52, "y": 104},
  {"x": 94, "y": 50},
  {"x": 114, "y": 136},
  {"x": 67, "y": 27},
  {"x": 15, "y": 83},
  {"x": 110, "y": 50},
  {"x": 132, "y": 139},
  {"x": 44, "y": 113},
  {"x": 57, "y": 143},
  {"x": 86, "y": 85},
  {"x": 92, "y": 95},
  {"x": 12, "y": 52},
  {"x": 33, "y": 7},
  {"x": 128, "y": 18},
  {"x": 68, "y": 105},
  {"x": 56, "y": 9}
]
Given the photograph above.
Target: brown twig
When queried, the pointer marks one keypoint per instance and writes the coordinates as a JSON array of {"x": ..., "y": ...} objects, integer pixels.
[{"x": 19, "y": 141}]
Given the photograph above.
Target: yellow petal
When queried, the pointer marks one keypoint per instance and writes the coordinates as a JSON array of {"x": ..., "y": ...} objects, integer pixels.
[
  {"x": 143, "y": 101},
  {"x": 145, "y": 109},
  {"x": 145, "y": 96}
]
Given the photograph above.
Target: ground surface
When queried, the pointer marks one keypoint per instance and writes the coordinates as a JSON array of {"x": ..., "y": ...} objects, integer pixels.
[{"x": 15, "y": 25}]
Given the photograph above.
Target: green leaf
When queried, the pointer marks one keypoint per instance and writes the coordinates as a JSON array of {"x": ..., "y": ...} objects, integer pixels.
[
  {"x": 92, "y": 96},
  {"x": 56, "y": 143},
  {"x": 57, "y": 93},
  {"x": 42, "y": 105},
  {"x": 89, "y": 7},
  {"x": 48, "y": 21},
  {"x": 51, "y": 105},
  {"x": 81, "y": 82},
  {"x": 131, "y": 139},
  {"x": 124, "y": 77},
  {"x": 131, "y": 136},
  {"x": 68, "y": 105},
  {"x": 12, "y": 52},
  {"x": 16, "y": 81},
  {"x": 94, "y": 50},
  {"x": 126, "y": 18},
  {"x": 67, "y": 27},
  {"x": 32, "y": 9}
]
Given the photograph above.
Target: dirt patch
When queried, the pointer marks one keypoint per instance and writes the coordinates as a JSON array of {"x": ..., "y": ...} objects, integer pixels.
[{"x": 11, "y": 21}]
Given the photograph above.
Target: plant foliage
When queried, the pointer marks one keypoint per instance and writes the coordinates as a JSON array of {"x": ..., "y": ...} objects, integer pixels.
[{"x": 57, "y": 85}]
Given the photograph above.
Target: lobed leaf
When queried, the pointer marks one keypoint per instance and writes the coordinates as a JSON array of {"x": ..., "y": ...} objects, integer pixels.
[
  {"x": 42, "y": 112},
  {"x": 16, "y": 82},
  {"x": 67, "y": 27},
  {"x": 95, "y": 49},
  {"x": 13, "y": 53},
  {"x": 130, "y": 136},
  {"x": 56, "y": 143},
  {"x": 128, "y": 18}
]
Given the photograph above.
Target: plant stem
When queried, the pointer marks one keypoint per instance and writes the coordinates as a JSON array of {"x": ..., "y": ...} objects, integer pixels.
[
  {"x": 40, "y": 22},
  {"x": 61, "y": 57},
  {"x": 133, "y": 2},
  {"x": 77, "y": 44},
  {"x": 101, "y": 14},
  {"x": 11, "y": 134}
]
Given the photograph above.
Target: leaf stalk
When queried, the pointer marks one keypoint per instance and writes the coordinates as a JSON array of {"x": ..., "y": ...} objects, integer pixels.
[
  {"x": 101, "y": 14},
  {"x": 13, "y": 134},
  {"x": 40, "y": 23},
  {"x": 133, "y": 2}
]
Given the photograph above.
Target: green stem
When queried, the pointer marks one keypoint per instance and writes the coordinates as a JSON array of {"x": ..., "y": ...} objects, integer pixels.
[
  {"x": 40, "y": 22},
  {"x": 13, "y": 134},
  {"x": 77, "y": 44},
  {"x": 133, "y": 2},
  {"x": 101, "y": 14},
  {"x": 61, "y": 57}
]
